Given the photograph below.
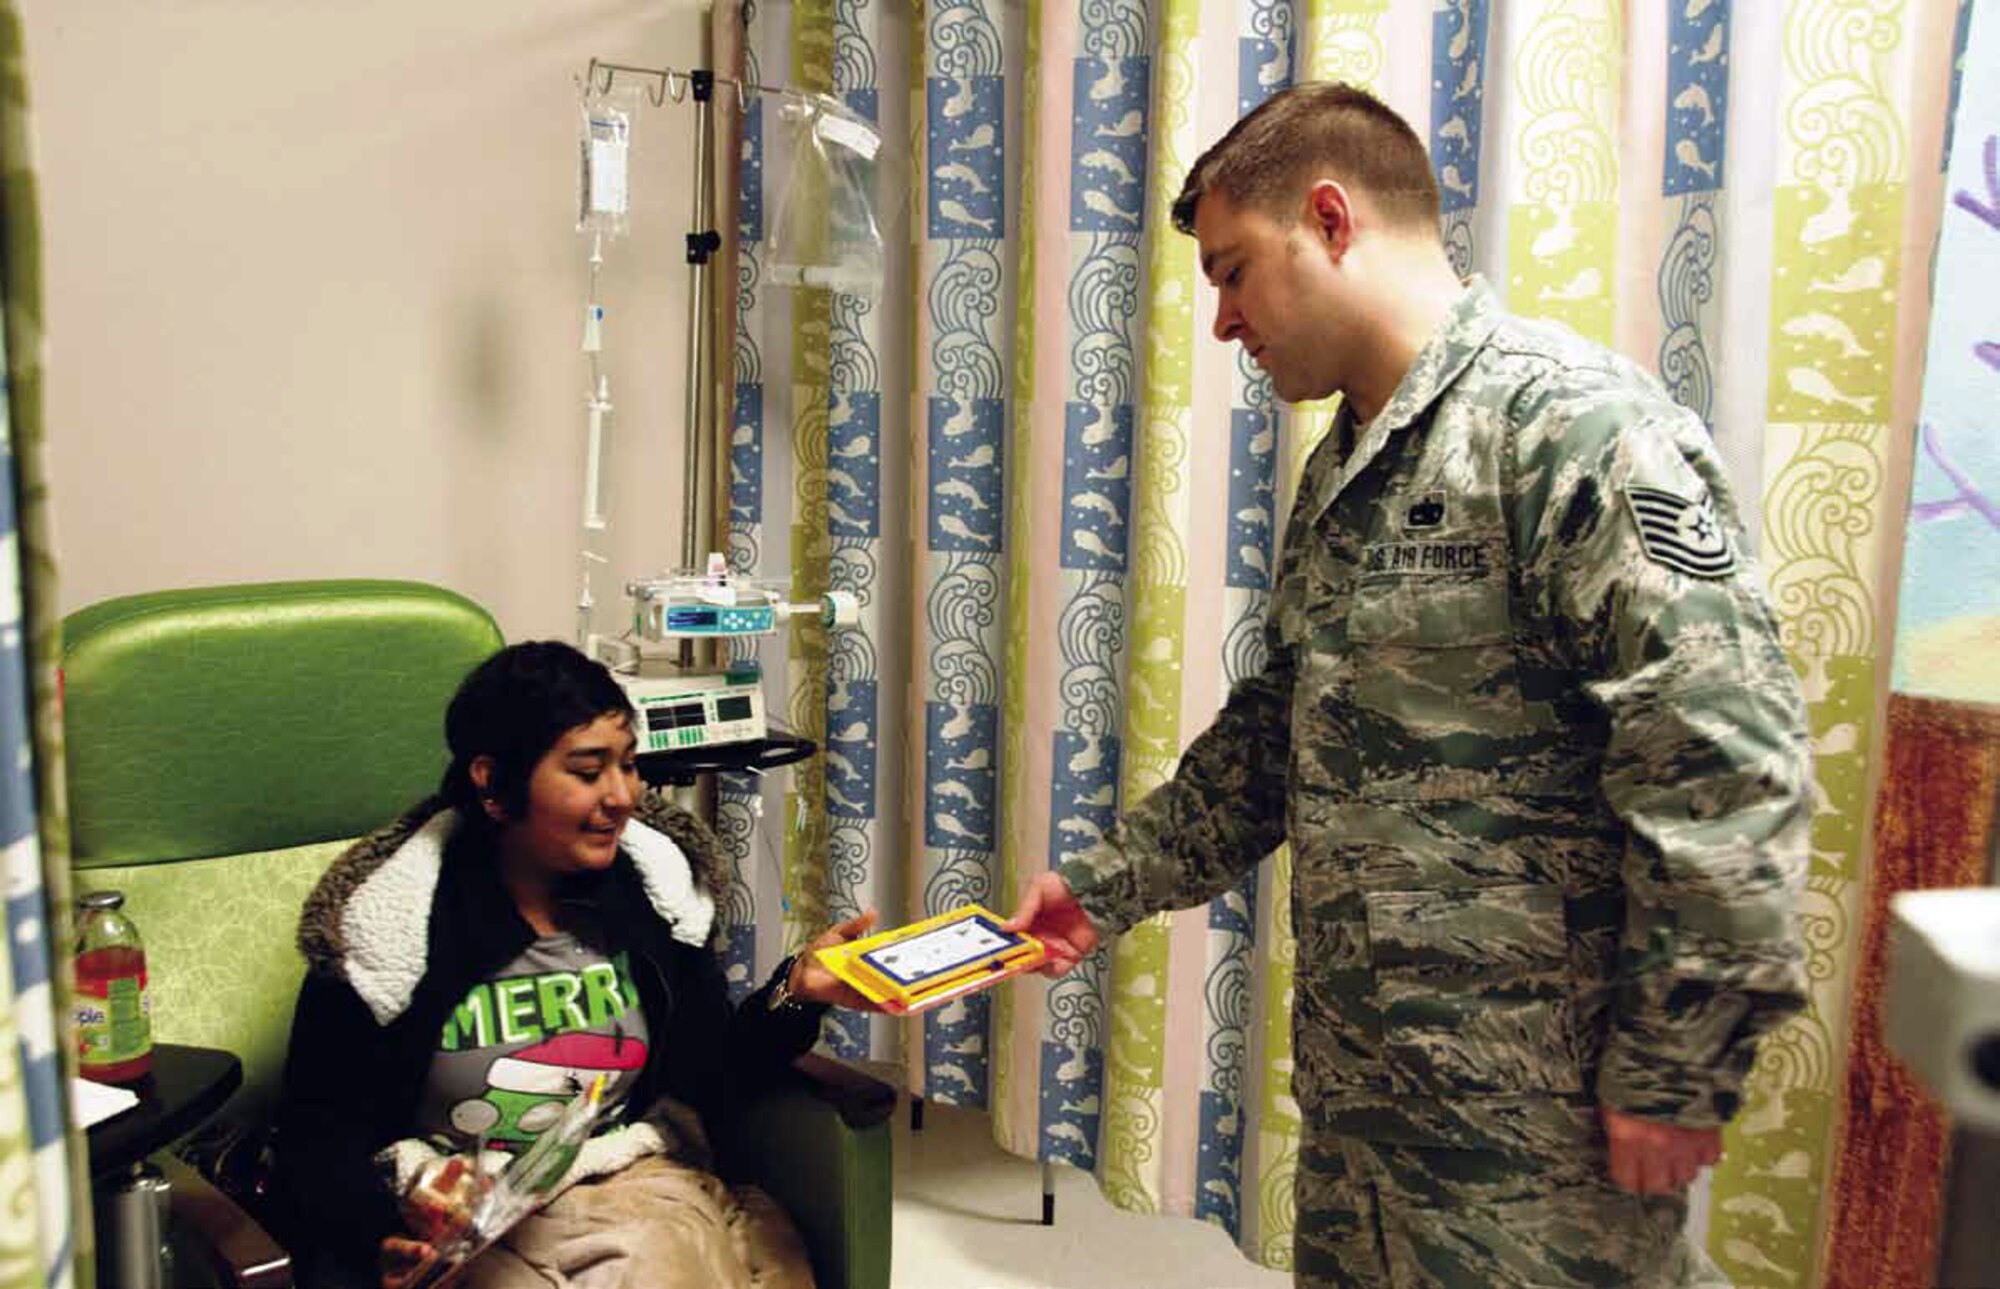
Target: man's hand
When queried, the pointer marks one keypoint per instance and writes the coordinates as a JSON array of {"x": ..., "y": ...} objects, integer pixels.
[
  {"x": 1653, "y": 1158},
  {"x": 813, "y": 982},
  {"x": 1051, "y": 914}
]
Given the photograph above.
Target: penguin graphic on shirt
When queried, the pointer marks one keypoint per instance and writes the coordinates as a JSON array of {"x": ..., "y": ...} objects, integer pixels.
[{"x": 526, "y": 1090}]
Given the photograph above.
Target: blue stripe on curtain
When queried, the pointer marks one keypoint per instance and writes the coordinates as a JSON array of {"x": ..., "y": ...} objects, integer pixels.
[{"x": 966, "y": 381}]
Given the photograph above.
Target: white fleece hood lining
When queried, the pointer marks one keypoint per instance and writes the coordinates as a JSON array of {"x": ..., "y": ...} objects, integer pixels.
[{"x": 386, "y": 921}]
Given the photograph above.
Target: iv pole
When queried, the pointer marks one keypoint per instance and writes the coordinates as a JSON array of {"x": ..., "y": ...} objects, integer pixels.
[{"x": 703, "y": 242}]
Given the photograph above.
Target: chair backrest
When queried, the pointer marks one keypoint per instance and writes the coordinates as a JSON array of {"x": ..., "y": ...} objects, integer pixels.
[{"x": 222, "y": 745}]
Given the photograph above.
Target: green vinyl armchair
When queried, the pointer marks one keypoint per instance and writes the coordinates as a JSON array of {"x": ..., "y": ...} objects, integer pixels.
[{"x": 224, "y": 744}]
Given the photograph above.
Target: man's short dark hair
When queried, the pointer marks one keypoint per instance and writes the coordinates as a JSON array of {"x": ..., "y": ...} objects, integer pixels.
[
  {"x": 1270, "y": 156},
  {"x": 514, "y": 707}
]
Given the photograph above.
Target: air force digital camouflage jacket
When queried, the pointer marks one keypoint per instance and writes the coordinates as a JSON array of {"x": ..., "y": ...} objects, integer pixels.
[{"x": 1529, "y": 730}]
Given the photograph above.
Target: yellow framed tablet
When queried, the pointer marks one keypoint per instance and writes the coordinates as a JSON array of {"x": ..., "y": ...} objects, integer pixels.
[{"x": 925, "y": 963}]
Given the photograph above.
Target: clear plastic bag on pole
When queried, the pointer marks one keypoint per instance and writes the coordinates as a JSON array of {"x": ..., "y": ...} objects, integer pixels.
[
  {"x": 825, "y": 233},
  {"x": 604, "y": 193}
]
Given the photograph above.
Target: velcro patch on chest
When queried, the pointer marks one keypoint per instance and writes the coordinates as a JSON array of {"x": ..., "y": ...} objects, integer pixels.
[
  {"x": 1681, "y": 533},
  {"x": 1426, "y": 559}
]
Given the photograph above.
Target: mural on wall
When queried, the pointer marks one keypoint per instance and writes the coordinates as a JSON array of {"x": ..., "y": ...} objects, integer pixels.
[{"x": 1948, "y": 618}]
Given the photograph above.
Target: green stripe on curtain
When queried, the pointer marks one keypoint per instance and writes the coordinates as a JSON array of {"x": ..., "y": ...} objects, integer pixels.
[
  {"x": 1134, "y": 1067},
  {"x": 806, "y": 831},
  {"x": 1020, "y": 528}
]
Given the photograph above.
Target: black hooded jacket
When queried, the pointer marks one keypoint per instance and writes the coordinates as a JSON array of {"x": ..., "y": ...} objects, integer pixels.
[{"x": 360, "y": 1051}]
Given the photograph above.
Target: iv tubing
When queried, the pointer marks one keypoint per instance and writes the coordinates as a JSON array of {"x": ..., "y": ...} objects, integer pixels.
[
  {"x": 599, "y": 403},
  {"x": 599, "y": 399}
]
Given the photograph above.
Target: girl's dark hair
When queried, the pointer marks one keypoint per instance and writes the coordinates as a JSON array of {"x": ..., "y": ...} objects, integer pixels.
[{"x": 514, "y": 707}]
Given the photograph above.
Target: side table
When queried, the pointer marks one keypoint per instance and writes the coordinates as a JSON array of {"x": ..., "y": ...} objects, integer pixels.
[{"x": 132, "y": 1197}]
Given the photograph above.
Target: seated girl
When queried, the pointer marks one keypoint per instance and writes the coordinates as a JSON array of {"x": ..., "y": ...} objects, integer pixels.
[{"x": 475, "y": 962}]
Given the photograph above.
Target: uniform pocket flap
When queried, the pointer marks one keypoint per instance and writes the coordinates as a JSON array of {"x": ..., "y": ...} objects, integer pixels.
[{"x": 1461, "y": 599}]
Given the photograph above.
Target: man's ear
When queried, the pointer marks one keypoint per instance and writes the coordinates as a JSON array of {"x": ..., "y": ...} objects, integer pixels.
[{"x": 1330, "y": 216}]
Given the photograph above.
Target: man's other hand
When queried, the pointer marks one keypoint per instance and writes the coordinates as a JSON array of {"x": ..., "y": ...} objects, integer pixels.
[
  {"x": 1051, "y": 914},
  {"x": 1653, "y": 1158}
]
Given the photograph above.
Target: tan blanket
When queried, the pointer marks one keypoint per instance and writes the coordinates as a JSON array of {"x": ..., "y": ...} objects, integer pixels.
[{"x": 653, "y": 1225}]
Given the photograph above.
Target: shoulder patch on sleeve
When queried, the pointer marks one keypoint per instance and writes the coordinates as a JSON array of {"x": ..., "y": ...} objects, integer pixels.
[{"x": 1681, "y": 533}]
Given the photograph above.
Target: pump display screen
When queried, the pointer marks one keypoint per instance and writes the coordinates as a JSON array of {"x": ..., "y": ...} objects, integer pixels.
[
  {"x": 938, "y": 952},
  {"x": 680, "y": 617},
  {"x": 679, "y": 716},
  {"x": 732, "y": 709}
]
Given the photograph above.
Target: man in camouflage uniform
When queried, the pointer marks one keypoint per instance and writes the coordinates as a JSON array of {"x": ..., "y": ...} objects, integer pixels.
[{"x": 1527, "y": 727}]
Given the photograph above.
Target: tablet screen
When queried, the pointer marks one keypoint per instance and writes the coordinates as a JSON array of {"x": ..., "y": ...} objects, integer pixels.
[{"x": 940, "y": 951}]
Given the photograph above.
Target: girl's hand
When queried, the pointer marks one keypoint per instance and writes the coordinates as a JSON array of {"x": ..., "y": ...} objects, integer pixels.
[
  {"x": 404, "y": 1261},
  {"x": 814, "y": 983}
]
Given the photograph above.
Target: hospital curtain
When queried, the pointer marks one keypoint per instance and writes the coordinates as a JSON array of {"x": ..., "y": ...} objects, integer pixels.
[
  {"x": 1062, "y": 495},
  {"x": 817, "y": 467},
  {"x": 46, "y": 1239}
]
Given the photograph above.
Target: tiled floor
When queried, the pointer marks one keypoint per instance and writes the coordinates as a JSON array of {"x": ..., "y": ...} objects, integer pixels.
[{"x": 968, "y": 1216}]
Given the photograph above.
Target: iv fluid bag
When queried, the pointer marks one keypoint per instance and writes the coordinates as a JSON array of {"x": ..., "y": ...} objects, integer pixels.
[
  {"x": 604, "y": 194},
  {"x": 825, "y": 234}
]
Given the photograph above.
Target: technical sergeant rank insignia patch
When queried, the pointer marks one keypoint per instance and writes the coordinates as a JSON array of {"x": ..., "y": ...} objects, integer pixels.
[{"x": 1682, "y": 533}]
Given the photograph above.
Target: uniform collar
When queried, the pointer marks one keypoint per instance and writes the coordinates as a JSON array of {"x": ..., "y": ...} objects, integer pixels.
[{"x": 1465, "y": 329}]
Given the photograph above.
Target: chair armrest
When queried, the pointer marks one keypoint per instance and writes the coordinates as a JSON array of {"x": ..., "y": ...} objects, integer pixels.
[
  {"x": 861, "y": 1100},
  {"x": 818, "y": 1143},
  {"x": 243, "y": 1254}
]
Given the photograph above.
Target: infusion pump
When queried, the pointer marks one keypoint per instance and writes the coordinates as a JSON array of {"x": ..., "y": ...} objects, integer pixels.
[{"x": 681, "y": 712}]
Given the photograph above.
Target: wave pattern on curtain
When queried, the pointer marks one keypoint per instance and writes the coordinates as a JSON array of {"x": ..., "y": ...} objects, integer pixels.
[
  {"x": 962, "y": 137},
  {"x": 1741, "y": 196},
  {"x": 1236, "y": 1050},
  {"x": 1077, "y": 392},
  {"x": 809, "y": 423},
  {"x": 1110, "y": 77},
  {"x": 854, "y": 505}
]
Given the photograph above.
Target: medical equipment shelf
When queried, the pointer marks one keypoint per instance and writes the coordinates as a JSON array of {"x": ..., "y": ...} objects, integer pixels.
[{"x": 679, "y": 767}]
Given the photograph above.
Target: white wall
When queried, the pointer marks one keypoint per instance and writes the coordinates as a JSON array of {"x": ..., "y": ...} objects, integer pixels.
[{"x": 314, "y": 294}]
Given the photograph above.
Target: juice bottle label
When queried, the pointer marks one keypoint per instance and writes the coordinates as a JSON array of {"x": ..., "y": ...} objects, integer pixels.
[{"x": 113, "y": 1020}]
